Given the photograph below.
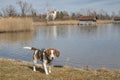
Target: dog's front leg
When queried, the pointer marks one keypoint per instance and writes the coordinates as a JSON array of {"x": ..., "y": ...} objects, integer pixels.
[
  {"x": 49, "y": 68},
  {"x": 45, "y": 67}
]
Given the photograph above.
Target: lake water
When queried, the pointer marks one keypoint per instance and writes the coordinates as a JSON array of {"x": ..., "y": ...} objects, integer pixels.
[{"x": 80, "y": 46}]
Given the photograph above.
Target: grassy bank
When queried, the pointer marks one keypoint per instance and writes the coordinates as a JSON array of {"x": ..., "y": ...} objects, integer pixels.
[
  {"x": 68, "y": 22},
  {"x": 15, "y": 24},
  {"x": 56, "y": 22},
  {"x": 17, "y": 70},
  {"x": 104, "y": 21},
  {"x": 26, "y": 24}
]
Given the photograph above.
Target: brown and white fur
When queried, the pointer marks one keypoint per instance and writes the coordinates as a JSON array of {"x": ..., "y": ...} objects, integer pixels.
[{"x": 44, "y": 55}]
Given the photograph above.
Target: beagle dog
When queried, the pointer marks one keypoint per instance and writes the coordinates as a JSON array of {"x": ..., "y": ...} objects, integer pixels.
[{"x": 44, "y": 55}]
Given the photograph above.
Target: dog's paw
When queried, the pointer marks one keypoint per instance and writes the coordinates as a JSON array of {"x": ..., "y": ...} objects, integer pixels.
[
  {"x": 34, "y": 69},
  {"x": 46, "y": 73},
  {"x": 49, "y": 71}
]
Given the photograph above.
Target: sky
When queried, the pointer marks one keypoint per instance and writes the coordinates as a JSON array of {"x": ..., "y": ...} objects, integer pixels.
[{"x": 68, "y": 5}]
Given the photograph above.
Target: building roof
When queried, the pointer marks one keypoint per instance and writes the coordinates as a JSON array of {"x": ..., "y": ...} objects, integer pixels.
[
  {"x": 117, "y": 19},
  {"x": 87, "y": 18}
]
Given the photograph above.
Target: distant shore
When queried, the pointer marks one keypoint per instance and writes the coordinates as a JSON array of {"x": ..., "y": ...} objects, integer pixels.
[
  {"x": 67, "y": 22},
  {"x": 27, "y": 24},
  {"x": 57, "y": 22},
  {"x": 21, "y": 70},
  {"x": 104, "y": 21}
]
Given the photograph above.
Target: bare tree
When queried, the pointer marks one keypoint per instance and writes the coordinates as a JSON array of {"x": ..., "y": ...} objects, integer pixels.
[
  {"x": 24, "y": 6},
  {"x": 119, "y": 13},
  {"x": 11, "y": 11},
  {"x": 1, "y": 14},
  {"x": 32, "y": 11},
  {"x": 73, "y": 16}
]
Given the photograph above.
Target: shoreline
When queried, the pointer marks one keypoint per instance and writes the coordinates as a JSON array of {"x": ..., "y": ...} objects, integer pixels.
[
  {"x": 13, "y": 25},
  {"x": 67, "y": 22},
  {"x": 22, "y": 70},
  {"x": 29, "y": 62},
  {"x": 56, "y": 22},
  {"x": 27, "y": 24}
]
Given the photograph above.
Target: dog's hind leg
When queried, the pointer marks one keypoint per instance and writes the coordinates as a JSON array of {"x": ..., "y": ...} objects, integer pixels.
[
  {"x": 34, "y": 64},
  {"x": 35, "y": 57}
]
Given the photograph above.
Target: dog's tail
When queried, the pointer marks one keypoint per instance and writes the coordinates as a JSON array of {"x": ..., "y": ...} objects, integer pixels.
[{"x": 30, "y": 48}]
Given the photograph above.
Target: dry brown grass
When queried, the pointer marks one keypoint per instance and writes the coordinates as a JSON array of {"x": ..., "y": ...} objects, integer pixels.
[
  {"x": 104, "y": 21},
  {"x": 67, "y": 22},
  {"x": 26, "y": 24},
  {"x": 17, "y": 70},
  {"x": 59, "y": 22},
  {"x": 15, "y": 24}
]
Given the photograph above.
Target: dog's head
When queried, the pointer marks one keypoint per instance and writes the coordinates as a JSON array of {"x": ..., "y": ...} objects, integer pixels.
[{"x": 51, "y": 53}]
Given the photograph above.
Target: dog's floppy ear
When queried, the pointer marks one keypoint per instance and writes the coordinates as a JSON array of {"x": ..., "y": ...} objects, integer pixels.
[
  {"x": 47, "y": 52},
  {"x": 57, "y": 53}
]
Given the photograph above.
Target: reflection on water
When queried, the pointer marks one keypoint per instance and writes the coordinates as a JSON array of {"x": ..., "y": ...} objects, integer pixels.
[
  {"x": 16, "y": 37},
  {"x": 95, "y": 46},
  {"x": 88, "y": 30},
  {"x": 67, "y": 31}
]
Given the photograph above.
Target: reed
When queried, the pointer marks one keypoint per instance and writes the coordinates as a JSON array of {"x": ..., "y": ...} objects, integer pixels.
[
  {"x": 15, "y": 24},
  {"x": 104, "y": 21},
  {"x": 67, "y": 22},
  {"x": 56, "y": 22}
]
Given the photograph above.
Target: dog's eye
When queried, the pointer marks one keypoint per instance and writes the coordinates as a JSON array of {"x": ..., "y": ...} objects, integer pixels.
[{"x": 47, "y": 53}]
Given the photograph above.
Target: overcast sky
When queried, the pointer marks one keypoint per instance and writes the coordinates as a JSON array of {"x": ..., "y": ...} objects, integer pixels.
[{"x": 68, "y": 5}]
